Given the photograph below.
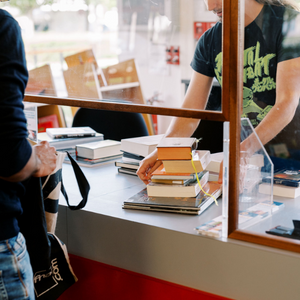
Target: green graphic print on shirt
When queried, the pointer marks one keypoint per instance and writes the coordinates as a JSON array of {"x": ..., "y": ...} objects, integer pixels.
[{"x": 256, "y": 78}]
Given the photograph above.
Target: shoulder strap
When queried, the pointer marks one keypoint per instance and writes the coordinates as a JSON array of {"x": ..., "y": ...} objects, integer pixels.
[{"x": 83, "y": 185}]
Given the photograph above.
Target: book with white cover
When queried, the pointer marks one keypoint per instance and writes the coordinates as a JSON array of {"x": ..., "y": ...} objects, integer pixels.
[
  {"x": 215, "y": 162},
  {"x": 216, "y": 159},
  {"x": 68, "y": 142},
  {"x": 98, "y": 149},
  {"x": 66, "y": 132},
  {"x": 192, "y": 189},
  {"x": 279, "y": 190},
  {"x": 142, "y": 146}
]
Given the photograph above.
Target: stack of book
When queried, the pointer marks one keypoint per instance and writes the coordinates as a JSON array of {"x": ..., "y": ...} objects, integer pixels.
[
  {"x": 95, "y": 153},
  {"x": 65, "y": 139},
  {"x": 174, "y": 185},
  {"x": 248, "y": 217},
  {"x": 286, "y": 183},
  {"x": 182, "y": 205},
  {"x": 176, "y": 156},
  {"x": 134, "y": 150}
]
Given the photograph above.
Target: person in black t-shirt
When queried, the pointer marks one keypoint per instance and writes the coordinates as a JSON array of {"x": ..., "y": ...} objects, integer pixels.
[{"x": 271, "y": 74}]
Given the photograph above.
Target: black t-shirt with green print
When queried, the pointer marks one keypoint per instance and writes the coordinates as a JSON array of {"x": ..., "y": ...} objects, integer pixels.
[{"x": 274, "y": 36}]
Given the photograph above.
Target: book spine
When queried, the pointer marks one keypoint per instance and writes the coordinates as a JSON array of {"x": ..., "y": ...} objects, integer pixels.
[
  {"x": 64, "y": 136},
  {"x": 285, "y": 182}
]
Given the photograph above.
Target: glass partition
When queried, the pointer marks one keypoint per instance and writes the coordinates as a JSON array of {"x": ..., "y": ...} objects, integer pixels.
[
  {"x": 139, "y": 51},
  {"x": 256, "y": 171}
]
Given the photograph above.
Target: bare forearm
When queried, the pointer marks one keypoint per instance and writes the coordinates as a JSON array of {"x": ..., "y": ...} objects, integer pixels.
[
  {"x": 182, "y": 127},
  {"x": 278, "y": 117}
]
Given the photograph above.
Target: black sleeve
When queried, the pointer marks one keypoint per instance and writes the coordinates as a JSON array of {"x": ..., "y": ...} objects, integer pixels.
[
  {"x": 15, "y": 151},
  {"x": 202, "y": 60}
]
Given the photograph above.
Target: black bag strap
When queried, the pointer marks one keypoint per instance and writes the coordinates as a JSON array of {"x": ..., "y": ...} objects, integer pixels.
[{"x": 83, "y": 185}]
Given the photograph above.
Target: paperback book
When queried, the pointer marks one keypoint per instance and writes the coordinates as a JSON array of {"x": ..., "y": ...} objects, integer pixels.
[
  {"x": 191, "y": 189},
  {"x": 68, "y": 143},
  {"x": 285, "y": 177},
  {"x": 182, "y": 205},
  {"x": 279, "y": 190},
  {"x": 160, "y": 173},
  {"x": 127, "y": 171},
  {"x": 67, "y": 132},
  {"x": 123, "y": 164}
]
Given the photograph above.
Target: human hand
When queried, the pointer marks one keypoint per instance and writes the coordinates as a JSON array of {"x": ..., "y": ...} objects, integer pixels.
[
  {"x": 46, "y": 159},
  {"x": 147, "y": 166}
]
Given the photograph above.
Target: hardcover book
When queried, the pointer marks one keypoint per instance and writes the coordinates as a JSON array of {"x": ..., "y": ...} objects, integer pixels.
[
  {"x": 176, "y": 148},
  {"x": 98, "y": 149},
  {"x": 201, "y": 159},
  {"x": 141, "y": 146},
  {"x": 67, "y": 132},
  {"x": 183, "y": 205},
  {"x": 191, "y": 189}
]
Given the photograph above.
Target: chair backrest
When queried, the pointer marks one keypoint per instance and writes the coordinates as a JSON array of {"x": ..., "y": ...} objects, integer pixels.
[
  {"x": 114, "y": 125},
  {"x": 41, "y": 81},
  {"x": 82, "y": 57},
  {"x": 82, "y": 82}
]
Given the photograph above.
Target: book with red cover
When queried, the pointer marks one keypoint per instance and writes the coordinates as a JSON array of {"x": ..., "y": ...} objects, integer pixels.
[{"x": 50, "y": 121}]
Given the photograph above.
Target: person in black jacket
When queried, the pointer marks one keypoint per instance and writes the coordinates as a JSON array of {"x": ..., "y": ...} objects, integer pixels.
[{"x": 18, "y": 161}]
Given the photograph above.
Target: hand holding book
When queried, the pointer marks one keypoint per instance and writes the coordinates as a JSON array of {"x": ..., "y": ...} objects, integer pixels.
[{"x": 147, "y": 166}]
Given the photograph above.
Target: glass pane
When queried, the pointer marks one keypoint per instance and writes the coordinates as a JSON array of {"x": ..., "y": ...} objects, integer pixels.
[
  {"x": 256, "y": 169},
  {"x": 138, "y": 51},
  {"x": 271, "y": 81},
  {"x": 271, "y": 92}
]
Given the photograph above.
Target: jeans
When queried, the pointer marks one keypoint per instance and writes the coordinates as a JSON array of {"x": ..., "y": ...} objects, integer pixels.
[{"x": 16, "y": 277}]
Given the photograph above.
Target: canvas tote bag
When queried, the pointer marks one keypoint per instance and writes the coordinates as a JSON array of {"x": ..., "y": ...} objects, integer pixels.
[{"x": 49, "y": 258}]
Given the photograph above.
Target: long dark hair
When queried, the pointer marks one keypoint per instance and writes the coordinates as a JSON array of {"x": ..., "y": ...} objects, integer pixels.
[{"x": 287, "y": 3}]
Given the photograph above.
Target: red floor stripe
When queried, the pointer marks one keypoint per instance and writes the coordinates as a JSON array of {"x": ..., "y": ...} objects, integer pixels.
[{"x": 101, "y": 281}]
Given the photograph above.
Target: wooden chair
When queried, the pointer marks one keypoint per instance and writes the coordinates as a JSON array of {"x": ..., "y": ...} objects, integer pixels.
[
  {"x": 120, "y": 81},
  {"x": 82, "y": 82},
  {"x": 123, "y": 83},
  {"x": 88, "y": 60},
  {"x": 40, "y": 82}
]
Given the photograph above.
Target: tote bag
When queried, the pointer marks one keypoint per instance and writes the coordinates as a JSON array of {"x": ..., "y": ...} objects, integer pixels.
[{"x": 53, "y": 273}]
